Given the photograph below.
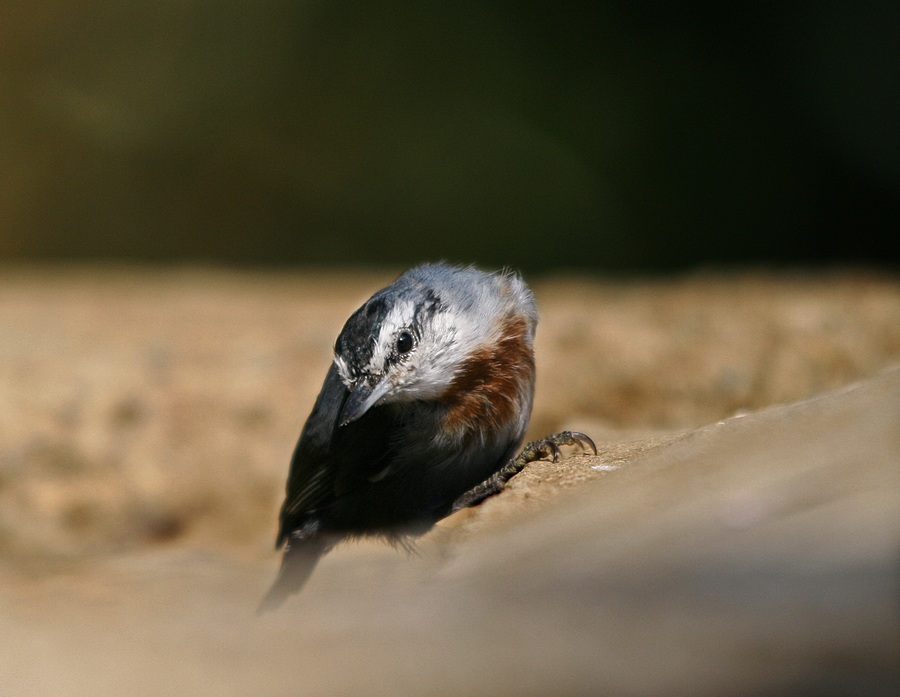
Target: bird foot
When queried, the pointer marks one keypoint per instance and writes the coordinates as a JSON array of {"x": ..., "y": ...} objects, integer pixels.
[{"x": 543, "y": 449}]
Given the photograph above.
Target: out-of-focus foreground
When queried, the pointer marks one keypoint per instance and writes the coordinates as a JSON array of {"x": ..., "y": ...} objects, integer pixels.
[{"x": 716, "y": 545}]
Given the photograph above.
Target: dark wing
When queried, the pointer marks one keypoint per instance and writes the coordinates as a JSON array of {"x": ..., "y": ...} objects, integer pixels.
[{"x": 330, "y": 460}]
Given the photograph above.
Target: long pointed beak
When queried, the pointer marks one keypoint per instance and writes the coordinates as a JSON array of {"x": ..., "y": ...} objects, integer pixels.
[{"x": 362, "y": 398}]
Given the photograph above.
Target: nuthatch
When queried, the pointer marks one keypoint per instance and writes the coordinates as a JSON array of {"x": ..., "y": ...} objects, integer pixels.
[{"x": 421, "y": 413}]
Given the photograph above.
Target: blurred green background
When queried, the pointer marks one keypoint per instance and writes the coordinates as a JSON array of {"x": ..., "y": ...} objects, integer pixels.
[{"x": 617, "y": 136}]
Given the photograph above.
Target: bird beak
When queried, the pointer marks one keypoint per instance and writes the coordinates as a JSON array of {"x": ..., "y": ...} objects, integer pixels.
[{"x": 363, "y": 397}]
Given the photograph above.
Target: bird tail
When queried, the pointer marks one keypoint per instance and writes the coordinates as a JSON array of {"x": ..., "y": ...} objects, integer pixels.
[{"x": 300, "y": 558}]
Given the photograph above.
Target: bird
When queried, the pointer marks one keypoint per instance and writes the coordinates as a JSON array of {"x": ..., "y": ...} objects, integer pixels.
[{"x": 421, "y": 413}]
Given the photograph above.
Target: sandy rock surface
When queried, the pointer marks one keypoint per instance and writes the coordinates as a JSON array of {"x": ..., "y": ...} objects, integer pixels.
[{"x": 715, "y": 542}]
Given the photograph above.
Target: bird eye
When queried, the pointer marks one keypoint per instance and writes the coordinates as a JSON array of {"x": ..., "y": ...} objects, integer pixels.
[{"x": 404, "y": 342}]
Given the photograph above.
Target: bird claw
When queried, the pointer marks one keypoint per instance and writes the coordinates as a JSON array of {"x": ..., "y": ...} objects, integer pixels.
[
  {"x": 581, "y": 439},
  {"x": 553, "y": 448},
  {"x": 534, "y": 451},
  {"x": 550, "y": 446}
]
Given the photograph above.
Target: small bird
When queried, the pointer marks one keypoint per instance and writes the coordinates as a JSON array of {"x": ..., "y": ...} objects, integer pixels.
[{"x": 421, "y": 414}]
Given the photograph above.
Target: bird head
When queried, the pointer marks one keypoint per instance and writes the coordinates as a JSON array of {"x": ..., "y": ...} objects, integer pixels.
[{"x": 416, "y": 339}]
